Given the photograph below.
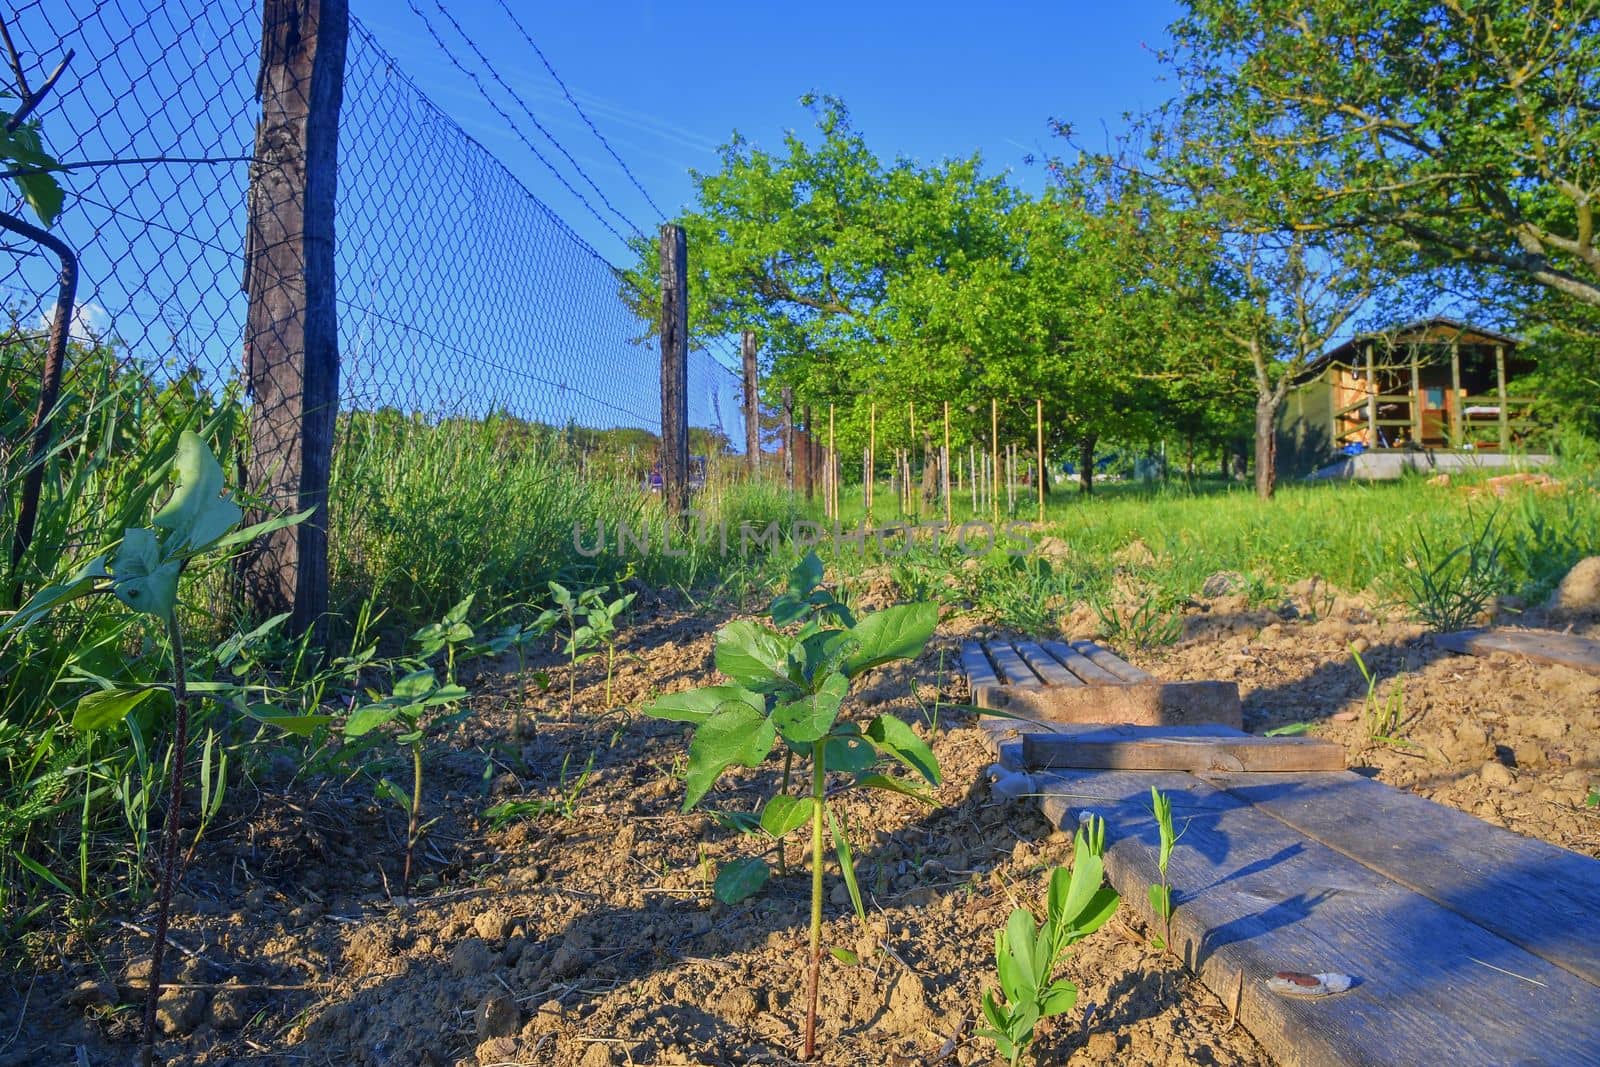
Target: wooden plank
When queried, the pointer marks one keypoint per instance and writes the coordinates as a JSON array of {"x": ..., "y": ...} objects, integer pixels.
[
  {"x": 674, "y": 260},
  {"x": 1111, "y": 663},
  {"x": 1160, "y": 748},
  {"x": 1011, "y": 665},
  {"x": 1537, "y": 896},
  {"x": 1143, "y": 704},
  {"x": 1081, "y": 665},
  {"x": 1254, "y": 897},
  {"x": 1044, "y": 666},
  {"x": 975, "y": 665},
  {"x": 1540, "y": 646}
]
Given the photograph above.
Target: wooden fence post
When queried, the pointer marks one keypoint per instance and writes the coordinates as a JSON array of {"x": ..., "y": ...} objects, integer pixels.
[
  {"x": 674, "y": 369},
  {"x": 1500, "y": 394},
  {"x": 291, "y": 340},
  {"x": 944, "y": 467},
  {"x": 994, "y": 459},
  {"x": 811, "y": 454},
  {"x": 752, "y": 405},
  {"x": 1038, "y": 422}
]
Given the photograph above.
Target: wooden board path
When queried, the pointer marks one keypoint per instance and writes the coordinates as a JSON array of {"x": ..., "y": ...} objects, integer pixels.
[
  {"x": 1469, "y": 944},
  {"x": 1540, "y": 646},
  {"x": 1166, "y": 748}
]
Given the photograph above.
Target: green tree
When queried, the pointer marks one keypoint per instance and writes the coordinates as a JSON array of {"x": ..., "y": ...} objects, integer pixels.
[{"x": 1453, "y": 131}]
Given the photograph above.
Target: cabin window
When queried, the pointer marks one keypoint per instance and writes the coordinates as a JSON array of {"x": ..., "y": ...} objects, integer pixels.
[{"x": 1435, "y": 396}]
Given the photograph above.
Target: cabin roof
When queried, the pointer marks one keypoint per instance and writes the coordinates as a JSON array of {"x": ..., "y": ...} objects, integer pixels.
[{"x": 1436, "y": 329}]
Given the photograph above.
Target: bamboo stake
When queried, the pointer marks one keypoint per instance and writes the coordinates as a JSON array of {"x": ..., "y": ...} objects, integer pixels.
[
  {"x": 1038, "y": 425},
  {"x": 944, "y": 467},
  {"x": 833, "y": 484},
  {"x": 872, "y": 454},
  {"x": 994, "y": 458}
]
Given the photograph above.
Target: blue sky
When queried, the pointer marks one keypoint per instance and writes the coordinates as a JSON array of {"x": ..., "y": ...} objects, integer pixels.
[{"x": 667, "y": 83}]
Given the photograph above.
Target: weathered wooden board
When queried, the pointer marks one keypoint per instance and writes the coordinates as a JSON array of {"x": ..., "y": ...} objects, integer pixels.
[
  {"x": 1165, "y": 748},
  {"x": 975, "y": 665},
  {"x": 1537, "y": 896},
  {"x": 1045, "y": 665},
  {"x": 1254, "y": 897},
  {"x": 1016, "y": 672},
  {"x": 1143, "y": 704},
  {"x": 1081, "y": 665},
  {"x": 1111, "y": 662},
  {"x": 1540, "y": 646}
]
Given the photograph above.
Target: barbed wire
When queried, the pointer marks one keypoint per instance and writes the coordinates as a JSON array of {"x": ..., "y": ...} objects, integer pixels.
[{"x": 584, "y": 115}]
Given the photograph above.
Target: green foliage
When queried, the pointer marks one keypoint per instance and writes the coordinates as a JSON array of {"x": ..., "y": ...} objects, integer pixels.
[
  {"x": 1449, "y": 591},
  {"x": 565, "y": 803},
  {"x": 1147, "y": 625},
  {"x": 791, "y": 687},
  {"x": 1026, "y": 957},
  {"x": 23, "y": 150},
  {"x": 1383, "y": 716}
]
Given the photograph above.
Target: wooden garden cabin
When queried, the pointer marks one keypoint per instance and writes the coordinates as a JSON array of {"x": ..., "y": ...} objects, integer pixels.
[{"x": 1432, "y": 384}]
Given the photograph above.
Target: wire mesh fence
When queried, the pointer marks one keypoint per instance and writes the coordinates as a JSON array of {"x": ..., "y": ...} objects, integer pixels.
[{"x": 459, "y": 292}]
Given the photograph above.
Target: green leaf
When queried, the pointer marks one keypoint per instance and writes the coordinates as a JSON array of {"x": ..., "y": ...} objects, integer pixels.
[
  {"x": 1020, "y": 944},
  {"x": 806, "y": 575},
  {"x": 141, "y": 579},
  {"x": 900, "y": 741},
  {"x": 47, "y": 599},
  {"x": 387, "y": 790},
  {"x": 43, "y": 194},
  {"x": 847, "y": 866},
  {"x": 812, "y": 715},
  {"x": 1292, "y": 729},
  {"x": 198, "y": 513},
  {"x": 844, "y": 956},
  {"x": 753, "y": 656},
  {"x": 99, "y": 710},
  {"x": 298, "y": 725},
  {"x": 740, "y": 879},
  {"x": 1058, "y": 998},
  {"x": 41, "y": 871},
  {"x": 894, "y": 633},
  {"x": 784, "y": 814},
  {"x": 261, "y": 529},
  {"x": 850, "y": 754},
  {"x": 735, "y": 734},
  {"x": 369, "y": 717},
  {"x": 415, "y": 686},
  {"x": 698, "y": 705},
  {"x": 787, "y": 608},
  {"x": 894, "y": 785},
  {"x": 740, "y": 822}
]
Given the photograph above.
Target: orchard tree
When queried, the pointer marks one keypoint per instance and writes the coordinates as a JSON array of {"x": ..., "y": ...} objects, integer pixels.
[{"x": 1452, "y": 131}]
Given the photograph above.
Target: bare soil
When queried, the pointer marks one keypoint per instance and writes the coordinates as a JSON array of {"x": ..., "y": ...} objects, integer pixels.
[{"x": 590, "y": 937}]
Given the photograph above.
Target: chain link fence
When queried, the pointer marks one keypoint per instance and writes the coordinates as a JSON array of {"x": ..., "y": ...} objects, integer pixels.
[{"x": 459, "y": 292}]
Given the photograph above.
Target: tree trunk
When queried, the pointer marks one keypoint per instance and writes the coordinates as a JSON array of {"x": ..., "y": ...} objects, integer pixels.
[
  {"x": 1266, "y": 447},
  {"x": 1086, "y": 445}
]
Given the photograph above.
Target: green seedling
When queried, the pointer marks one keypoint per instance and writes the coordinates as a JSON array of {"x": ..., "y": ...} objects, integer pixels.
[
  {"x": 1161, "y": 894},
  {"x": 791, "y": 687},
  {"x": 143, "y": 574},
  {"x": 448, "y": 634},
  {"x": 601, "y": 627},
  {"x": 564, "y": 804},
  {"x": 408, "y": 703},
  {"x": 1026, "y": 957},
  {"x": 581, "y": 637},
  {"x": 1383, "y": 715}
]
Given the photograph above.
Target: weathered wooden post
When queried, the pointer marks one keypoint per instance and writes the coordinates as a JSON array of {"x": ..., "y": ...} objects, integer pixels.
[
  {"x": 833, "y": 469},
  {"x": 291, "y": 341},
  {"x": 1372, "y": 399},
  {"x": 1500, "y": 392},
  {"x": 1418, "y": 431},
  {"x": 811, "y": 454},
  {"x": 752, "y": 407},
  {"x": 872, "y": 455},
  {"x": 674, "y": 369},
  {"x": 1455, "y": 393}
]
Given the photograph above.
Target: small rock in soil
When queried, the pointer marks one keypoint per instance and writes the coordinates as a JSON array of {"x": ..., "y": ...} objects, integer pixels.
[
  {"x": 492, "y": 925},
  {"x": 497, "y": 1050},
  {"x": 497, "y": 1016},
  {"x": 230, "y": 1008},
  {"x": 180, "y": 1010},
  {"x": 1495, "y": 773},
  {"x": 739, "y": 1004},
  {"x": 92, "y": 993},
  {"x": 598, "y": 1055},
  {"x": 471, "y": 957}
]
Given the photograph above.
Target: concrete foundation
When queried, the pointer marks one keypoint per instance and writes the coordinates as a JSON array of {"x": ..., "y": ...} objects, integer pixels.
[{"x": 1388, "y": 465}]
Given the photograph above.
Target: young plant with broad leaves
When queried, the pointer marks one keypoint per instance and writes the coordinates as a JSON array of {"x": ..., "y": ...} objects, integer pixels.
[
  {"x": 790, "y": 687},
  {"x": 142, "y": 572},
  {"x": 599, "y": 627},
  {"x": 1027, "y": 956}
]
